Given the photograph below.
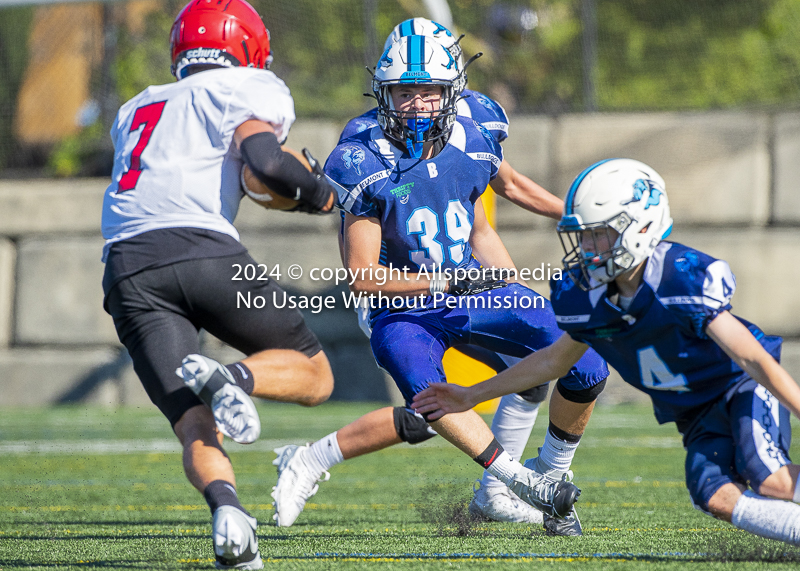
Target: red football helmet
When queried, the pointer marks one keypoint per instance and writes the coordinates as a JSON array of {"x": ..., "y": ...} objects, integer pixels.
[{"x": 227, "y": 33}]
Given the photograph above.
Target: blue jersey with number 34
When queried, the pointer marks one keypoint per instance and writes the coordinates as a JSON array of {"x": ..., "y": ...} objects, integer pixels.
[
  {"x": 659, "y": 344},
  {"x": 426, "y": 208}
]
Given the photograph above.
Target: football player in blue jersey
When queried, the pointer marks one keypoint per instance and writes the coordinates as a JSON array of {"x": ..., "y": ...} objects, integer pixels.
[
  {"x": 301, "y": 467},
  {"x": 659, "y": 313},
  {"x": 509, "y": 183},
  {"x": 410, "y": 188}
]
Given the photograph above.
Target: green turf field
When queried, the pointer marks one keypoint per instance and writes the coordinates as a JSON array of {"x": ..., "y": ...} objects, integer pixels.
[{"x": 85, "y": 488}]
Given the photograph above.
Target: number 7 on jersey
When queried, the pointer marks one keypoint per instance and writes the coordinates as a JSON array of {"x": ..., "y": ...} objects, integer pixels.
[{"x": 149, "y": 116}]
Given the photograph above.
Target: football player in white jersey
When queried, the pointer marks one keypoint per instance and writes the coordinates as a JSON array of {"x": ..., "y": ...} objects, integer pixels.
[
  {"x": 172, "y": 253},
  {"x": 301, "y": 467}
]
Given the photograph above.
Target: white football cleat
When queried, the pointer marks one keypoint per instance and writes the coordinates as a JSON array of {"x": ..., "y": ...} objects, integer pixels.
[
  {"x": 234, "y": 412},
  {"x": 569, "y": 525},
  {"x": 235, "y": 540},
  {"x": 553, "y": 497},
  {"x": 296, "y": 484},
  {"x": 497, "y": 503}
]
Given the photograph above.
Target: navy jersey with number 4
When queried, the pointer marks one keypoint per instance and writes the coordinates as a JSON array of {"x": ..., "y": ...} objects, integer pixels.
[
  {"x": 426, "y": 208},
  {"x": 659, "y": 344}
]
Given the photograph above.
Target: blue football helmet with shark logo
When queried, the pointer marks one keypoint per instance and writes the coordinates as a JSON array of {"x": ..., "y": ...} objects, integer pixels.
[
  {"x": 416, "y": 60},
  {"x": 623, "y": 195}
]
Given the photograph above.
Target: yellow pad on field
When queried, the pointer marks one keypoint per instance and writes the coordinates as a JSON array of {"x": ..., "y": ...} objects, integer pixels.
[
  {"x": 463, "y": 370},
  {"x": 489, "y": 199}
]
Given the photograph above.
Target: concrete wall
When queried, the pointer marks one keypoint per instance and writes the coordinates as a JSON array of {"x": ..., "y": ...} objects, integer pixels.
[{"x": 730, "y": 179}]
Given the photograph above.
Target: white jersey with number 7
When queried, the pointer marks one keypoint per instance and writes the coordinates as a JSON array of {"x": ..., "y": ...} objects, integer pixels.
[{"x": 174, "y": 164}]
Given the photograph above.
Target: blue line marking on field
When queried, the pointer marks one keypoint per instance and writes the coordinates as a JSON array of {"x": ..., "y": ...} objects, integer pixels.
[{"x": 493, "y": 556}]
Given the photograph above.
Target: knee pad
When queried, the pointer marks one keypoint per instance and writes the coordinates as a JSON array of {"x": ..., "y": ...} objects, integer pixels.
[
  {"x": 536, "y": 394},
  {"x": 581, "y": 396},
  {"x": 410, "y": 427}
]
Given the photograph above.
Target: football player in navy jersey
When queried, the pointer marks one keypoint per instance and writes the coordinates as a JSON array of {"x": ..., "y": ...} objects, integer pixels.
[
  {"x": 659, "y": 313},
  {"x": 172, "y": 251},
  {"x": 300, "y": 467},
  {"x": 410, "y": 188},
  {"x": 509, "y": 183}
]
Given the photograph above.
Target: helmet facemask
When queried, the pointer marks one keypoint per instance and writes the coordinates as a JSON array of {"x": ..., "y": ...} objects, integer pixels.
[
  {"x": 412, "y": 129},
  {"x": 597, "y": 249}
]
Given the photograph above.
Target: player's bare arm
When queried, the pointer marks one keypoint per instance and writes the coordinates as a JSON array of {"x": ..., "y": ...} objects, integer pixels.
[
  {"x": 249, "y": 128},
  {"x": 487, "y": 247},
  {"x": 740, "y": 345},
  {"x": 524, "y": 192},
  {"x": 281, "y": 171},
  {"x": 538, "y": 368},
  {"x": 362, "y": 247}
]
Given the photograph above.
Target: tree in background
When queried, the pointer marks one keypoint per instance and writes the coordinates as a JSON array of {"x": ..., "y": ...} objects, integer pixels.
[
  {"x": 15, "y": 26},
  {"x": 699, "y": 54},
  {"x": 651, "y": 55}
]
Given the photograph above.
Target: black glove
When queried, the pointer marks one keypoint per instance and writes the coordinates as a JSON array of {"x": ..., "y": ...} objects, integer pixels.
[
  {"x": 488, "y": 280},
  {"x": 322, "y": 193}
]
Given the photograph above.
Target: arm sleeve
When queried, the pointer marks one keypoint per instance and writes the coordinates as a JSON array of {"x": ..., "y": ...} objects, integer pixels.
[{"x": 282, "y": 172}]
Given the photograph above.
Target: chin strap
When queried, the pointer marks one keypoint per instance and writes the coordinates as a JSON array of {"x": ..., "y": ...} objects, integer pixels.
[{"x": 418, "y": 127}]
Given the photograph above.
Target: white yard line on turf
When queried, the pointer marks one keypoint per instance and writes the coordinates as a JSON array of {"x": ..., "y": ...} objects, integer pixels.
[{"x": 167, "y": 445}]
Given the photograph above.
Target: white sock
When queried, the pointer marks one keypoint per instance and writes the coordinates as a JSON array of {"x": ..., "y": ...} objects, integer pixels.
[
  {"x": 767, "y": 517},
  {"x": 511, "y": 425},
  {"x": 557, "y": 453},
  {"x": 324, "y": 454},
  {"x": 504, "y": 467}
]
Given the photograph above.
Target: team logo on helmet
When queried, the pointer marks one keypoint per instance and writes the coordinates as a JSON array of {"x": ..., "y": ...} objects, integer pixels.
[
  {"x": 646, "y": 185},
  {"x": 385, "y": 60}
]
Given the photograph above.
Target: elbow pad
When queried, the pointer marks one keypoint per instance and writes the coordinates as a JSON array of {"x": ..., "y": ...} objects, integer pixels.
[{"x": 283, "y": 173}]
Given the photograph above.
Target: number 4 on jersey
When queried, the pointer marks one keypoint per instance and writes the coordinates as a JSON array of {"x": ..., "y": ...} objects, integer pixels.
[
  {"x": 149, "y": 116},
  {"x": 656, "y": 374}
]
